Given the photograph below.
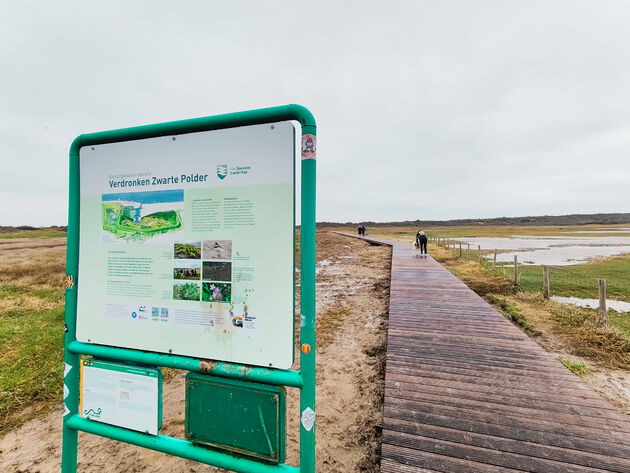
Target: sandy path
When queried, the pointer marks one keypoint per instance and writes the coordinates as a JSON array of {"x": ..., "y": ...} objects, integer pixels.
[{"x": 352, "y": 307}]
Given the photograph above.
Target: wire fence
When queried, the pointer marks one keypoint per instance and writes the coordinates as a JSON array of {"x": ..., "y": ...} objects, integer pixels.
[{"x": 567, "y": 281}]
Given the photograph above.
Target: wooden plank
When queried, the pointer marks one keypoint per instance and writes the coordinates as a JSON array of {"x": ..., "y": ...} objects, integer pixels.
[{"x": 564, "y": 455}]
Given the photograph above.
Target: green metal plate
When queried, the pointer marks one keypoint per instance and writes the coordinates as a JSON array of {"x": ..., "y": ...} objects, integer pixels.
[{"x": 238, "y": 416}]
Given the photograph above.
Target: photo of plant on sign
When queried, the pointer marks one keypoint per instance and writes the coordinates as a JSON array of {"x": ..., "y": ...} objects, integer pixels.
[
  {"x": 216, "y": 292},
  {"x": 186, "y": 291}
]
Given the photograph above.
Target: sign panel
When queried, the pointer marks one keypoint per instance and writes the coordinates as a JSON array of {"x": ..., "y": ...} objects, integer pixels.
[
  {"x": 122, "y": 395},
  {"x": 239, "y": 416},
  {"x": 187, "y": 244}
]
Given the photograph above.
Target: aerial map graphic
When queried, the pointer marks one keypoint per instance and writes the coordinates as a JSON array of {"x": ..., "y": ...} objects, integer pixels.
[{"x": 139, "y": 216}]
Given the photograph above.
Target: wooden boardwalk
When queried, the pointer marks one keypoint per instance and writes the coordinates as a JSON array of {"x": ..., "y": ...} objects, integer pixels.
[{"x": 467, "y": 391}]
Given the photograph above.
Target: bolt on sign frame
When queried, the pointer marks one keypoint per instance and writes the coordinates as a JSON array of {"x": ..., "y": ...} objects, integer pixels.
[{"x": 304, "y": 379}]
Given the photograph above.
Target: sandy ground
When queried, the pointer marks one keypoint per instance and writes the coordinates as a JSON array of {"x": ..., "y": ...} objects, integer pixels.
[{"x": 352, "y": 307}]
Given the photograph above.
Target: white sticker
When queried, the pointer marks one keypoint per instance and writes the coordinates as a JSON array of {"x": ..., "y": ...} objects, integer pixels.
[
  {"x": 65, "y": 391},
  {"x": 66, "y": 411},
  {"x": 308, "y": 418},
  {"x": 302, "y": 320},
  {"x": 66, "y": 370}
]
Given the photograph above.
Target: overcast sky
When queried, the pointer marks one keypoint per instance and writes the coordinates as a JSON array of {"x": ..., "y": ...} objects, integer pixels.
[{"x": 425, "y": 110}]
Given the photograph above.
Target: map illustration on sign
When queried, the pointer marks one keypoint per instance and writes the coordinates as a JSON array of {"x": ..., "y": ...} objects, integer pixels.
[{"x": 141, "y": 215}]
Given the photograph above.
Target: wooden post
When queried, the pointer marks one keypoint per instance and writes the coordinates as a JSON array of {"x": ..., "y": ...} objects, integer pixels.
[
  {"x": 515, "y": 270},
  {"x": 479, "y": 250},
  {"x": 494, "y": 260},
  {"x": 546, "y": 289},
  {"x": 460, "y": 249},
  {"x": 603, "y": 313},
  {"x": 468, "y": 251}
]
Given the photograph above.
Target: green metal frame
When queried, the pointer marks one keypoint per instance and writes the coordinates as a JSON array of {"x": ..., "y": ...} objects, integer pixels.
[{"x": 304, "y": 379}]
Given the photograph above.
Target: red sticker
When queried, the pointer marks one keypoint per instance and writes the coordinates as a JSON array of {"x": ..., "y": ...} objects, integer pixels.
[{"x": 309, "y": 143}]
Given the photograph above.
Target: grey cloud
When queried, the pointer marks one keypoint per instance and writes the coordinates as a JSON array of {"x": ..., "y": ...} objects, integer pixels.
[{"x": 425, "y": 109}]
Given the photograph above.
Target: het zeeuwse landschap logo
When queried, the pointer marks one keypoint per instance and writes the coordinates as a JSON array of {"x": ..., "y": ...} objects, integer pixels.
[{"x": 223, "y": 170}]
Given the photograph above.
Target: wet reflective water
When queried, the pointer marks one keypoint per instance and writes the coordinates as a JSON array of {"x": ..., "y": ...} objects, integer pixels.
[
  {"x": 551, "y": 250},
  {"x": 619, "y": 306}
]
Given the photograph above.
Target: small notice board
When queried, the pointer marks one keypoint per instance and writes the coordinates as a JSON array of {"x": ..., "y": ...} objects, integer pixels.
[{"x": 122, "y": 395}]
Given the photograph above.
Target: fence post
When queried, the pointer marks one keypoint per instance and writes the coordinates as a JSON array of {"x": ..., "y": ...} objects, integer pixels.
[
  {"x": 468, "y": 252},
  {"x": 460, "y": 249},
  {"x": 546, "y": 289},
  {"x": 515, "y": 270},
  {"x": 494, "y": 260},
  {"x": 479, "y": 250},
  {"x": 603, "y": 313}
]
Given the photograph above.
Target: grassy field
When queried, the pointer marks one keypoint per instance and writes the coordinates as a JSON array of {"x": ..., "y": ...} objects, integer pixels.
[
  {"x": 581, "y": 280},
  {"x": 38, "y": 233},
  {"x": 31, "y": 326}
]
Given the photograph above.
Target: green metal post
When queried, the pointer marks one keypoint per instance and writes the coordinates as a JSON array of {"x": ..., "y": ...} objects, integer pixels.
[
  {"x": 307, "y": 309},
  {"x": 71, "y": 360}
]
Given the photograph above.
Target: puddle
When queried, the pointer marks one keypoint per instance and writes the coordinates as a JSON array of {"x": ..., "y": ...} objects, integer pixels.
[
  {"x": 602, "y": 230},
  {"x": 551, "y": 250},
  {"x": 619, "y": 306}
]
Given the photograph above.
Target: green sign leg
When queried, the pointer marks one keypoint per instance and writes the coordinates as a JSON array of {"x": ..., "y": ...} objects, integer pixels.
[
  {"x": 71, "y": 403},
  {"x": 71, "y": 360},
  {"x": 307, "y": 307}
]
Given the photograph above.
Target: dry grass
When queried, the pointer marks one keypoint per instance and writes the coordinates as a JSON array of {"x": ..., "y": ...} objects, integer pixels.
[{"x": 31, "y": 326}]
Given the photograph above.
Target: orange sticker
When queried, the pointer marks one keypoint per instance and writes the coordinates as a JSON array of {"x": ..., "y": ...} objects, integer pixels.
[{"x": 306, "y": 348}]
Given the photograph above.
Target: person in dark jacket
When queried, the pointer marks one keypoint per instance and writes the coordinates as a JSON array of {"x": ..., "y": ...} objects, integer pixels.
[{"x": 421, "y": 239}]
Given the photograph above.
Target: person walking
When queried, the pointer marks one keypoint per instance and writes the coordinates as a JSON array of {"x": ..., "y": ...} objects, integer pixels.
[{"x": 421, "y": 239}]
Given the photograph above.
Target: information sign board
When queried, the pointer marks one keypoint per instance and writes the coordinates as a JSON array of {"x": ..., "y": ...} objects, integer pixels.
[
  {"x": 122, "y": 395},
  {"x": 187, "y": 244}
]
